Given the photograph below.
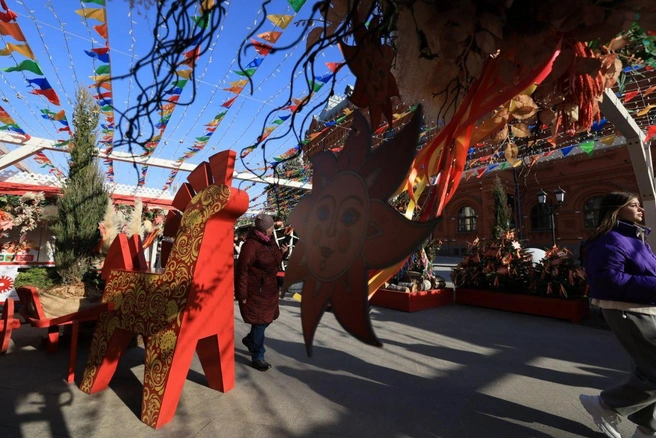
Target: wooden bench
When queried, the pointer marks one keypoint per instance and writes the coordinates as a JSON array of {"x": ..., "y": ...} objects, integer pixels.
[
  {"x": 7, "y": 324},
  {"x": 33, "y": 313}
]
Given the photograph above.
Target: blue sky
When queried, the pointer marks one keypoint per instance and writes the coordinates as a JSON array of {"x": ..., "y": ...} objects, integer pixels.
[{"x": 58, "y": 37}]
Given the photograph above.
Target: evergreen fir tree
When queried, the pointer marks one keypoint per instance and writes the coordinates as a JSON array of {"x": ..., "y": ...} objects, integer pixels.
[
  {"x": 502, "y": 213},
  {"x": 84, "y": 196}
]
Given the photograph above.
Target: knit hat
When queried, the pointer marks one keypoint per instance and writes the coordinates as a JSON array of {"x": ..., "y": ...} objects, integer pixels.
[{"x": 263, "y": 222}]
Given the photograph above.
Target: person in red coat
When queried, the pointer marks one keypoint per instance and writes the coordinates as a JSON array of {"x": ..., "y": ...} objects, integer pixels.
[{"x": 256, "y": 285}]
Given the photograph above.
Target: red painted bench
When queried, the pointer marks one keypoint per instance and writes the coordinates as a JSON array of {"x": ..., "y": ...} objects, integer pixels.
[{"x": 33, "y": 313}]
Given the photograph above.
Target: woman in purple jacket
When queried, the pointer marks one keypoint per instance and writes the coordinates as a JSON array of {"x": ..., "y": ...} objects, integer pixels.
[{"x": 621, "y": 270}]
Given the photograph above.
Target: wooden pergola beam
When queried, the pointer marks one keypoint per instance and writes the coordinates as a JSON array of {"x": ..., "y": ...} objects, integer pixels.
[{"x": 33, "y": 145}]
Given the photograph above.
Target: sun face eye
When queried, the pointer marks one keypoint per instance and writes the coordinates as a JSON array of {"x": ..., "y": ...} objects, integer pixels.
[
  {"x": 350, "y": 216},
  {"x": 322, "y": 213}
]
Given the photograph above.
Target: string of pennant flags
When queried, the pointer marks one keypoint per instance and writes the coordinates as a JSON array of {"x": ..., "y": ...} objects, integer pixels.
[
  {"x": 102, "y": 78},
  {"x": 9, "y": 27},
  {"x": 262, "y": 49}
]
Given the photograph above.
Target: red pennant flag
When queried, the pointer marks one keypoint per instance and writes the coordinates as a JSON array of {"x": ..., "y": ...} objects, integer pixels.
[
  {"x": 49, "y": 94},
  {"x": 228, "y": 103},
  {"x": 173, "y": 98},
  {"x": 101, "y": 29},
  {"x": 651, "y": 133},
  {"x": 481, "y": 172},
  {"x": 334, "y": 66},
  {"x": 381, "y": 129},
  {"x": 630, "y": 95},
  {"x": 261, "y": 48},
  {"x": 101, "y": 50},
  {"x": 13, "y": 30},
  {"x": 192, "y": 56},
  {"x": 271, "y": 37}
]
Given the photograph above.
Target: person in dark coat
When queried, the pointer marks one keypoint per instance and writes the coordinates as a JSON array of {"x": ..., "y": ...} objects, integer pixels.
[
  {"x": 256, "y": 285},
  {"x": 621, "y": 270}
]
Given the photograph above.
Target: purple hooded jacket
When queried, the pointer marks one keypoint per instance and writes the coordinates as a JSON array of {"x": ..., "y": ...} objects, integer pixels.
[{"x": 620, "y": 267}]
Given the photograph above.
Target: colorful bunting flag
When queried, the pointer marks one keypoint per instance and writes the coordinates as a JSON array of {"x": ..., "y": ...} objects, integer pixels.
[
  {"x": 26, "y": 65},
  {"x": 566, "y": 150},
  {"x": 271, "y": 36},
  {"x": 95, "y": 13},
  {"x": 13, "y": 30},
  {"x": 23, "y": 49},
  {"x": 282, "y": 21},
  {"x": 228, "y": 103},
  {"x": 261, "y": 48},
  {"x": 588, "y": 147},
  {"x": 296, "y": 4}
]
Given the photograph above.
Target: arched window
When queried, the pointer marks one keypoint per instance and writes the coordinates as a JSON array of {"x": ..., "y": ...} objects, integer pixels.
[
  {"x": 591, "y": 212},
  {"x": 466, "y": 220},
  {"x": 540, "y": 219}
]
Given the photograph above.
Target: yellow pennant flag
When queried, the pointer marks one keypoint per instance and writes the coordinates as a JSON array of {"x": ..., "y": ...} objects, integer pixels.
[
  {"x": 101, "y": 78},
  {"x": 184, "y": 73},
  {"x": 608, "y": 140},
  {"x": 23, "y": 49},
  {"x": 282, "y": 21},
  {"x": 95, "y": 13},
  {"x": 240, "y": 83},
  {"x": 645, "y": 110}
]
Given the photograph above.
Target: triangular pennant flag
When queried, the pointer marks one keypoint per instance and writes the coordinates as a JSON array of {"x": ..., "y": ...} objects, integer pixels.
[
  {"x": 325, "y": 78},
  {"x": 228, "y": 103},
  {"x": 587, "y": 147},
  {"x": 26, "y": 65},
  {"x": 566, "y": 150},
  {"x": 261, "y": 48},
  {"x": 248, "y": 73},
  {"x": 548, "y": 153},
  {"x": 255, "y": 63},
  {"x": 271, "y": 36},
  {"x": 651, "y": 133},
  {"x": 480, "y": 172},
  {"x": 184, "y": 73},
  {"x": 98, "y": 2},
  {"x": 630, "y": 95},
  {"x": 201, "y": 21},
  {"x": 608, "y": 140},
  {"x": 103, "y": 69},
  {"x": 296, "y": 4},
  {"x": 180, "y": 83},
  {"x": 42, "y": 83},
  {"x": 49, "y": 94},
  {"x": 235, "y": 90},
  {"x": 12, "y": 29},
  {"x": 95, "y": 13},
  {"x": 278, "y": 122},
  {"x": 239, "y": 83},
  {"x": 23, "y": 49},
  {"x": 282, "y": 21},
  {"x": 247, "y": 151},
  {"x": 102, "y": 57},
  {"x": 334, "y": 66},
  {"x": 101, "y": 29}
]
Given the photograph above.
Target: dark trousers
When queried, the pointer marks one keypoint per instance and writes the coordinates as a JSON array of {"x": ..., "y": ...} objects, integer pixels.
[
  {"x": 635, "y": 397},
  {"x": 256, "y": 337}
]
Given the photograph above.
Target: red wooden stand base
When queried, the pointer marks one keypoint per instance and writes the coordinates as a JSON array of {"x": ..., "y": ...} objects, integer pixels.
[
  {"x": 573, "y": 310},
  {"x": 412, "y": 301}
]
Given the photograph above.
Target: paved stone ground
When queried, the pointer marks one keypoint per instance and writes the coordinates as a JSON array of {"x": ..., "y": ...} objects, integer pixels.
[{"x": 454, "y": 371}]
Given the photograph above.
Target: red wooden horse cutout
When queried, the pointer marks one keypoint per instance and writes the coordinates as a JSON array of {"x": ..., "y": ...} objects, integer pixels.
[{"x": 187, "y": 307}]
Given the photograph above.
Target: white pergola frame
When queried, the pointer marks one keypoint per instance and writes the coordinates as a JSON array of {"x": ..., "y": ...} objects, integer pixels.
[
  {"x": 34, "y": 145},
  {"x": 639, "y": 151}
]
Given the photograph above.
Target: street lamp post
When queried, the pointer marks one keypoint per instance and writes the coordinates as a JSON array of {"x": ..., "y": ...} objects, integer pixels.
[{"x": 551, "y": 208}]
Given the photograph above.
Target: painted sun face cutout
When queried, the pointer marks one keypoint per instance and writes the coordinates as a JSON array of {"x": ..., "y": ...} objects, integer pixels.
[
  {"x": 339, "y": 230},
  {"x": 347, "y": 228}
]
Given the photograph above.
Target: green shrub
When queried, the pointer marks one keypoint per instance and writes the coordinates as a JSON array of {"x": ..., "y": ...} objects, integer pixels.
[{"x": 41, "y": 278}]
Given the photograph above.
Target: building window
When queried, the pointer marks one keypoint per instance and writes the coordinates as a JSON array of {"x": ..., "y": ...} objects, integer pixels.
[
  {"x": 591, "y": 212},
  {"x": 466, "y": 220},
  {"x": 540, "y": 219}
]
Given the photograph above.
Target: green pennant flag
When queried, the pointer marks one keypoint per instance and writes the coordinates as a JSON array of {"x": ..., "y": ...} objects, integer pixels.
[
  {"x": 47, "y": 111},
  {"x": 587, "y": 147},
  {"x": 316, "y": 86},
  {"x": 203, "y": 139},
  {"x": 220, "y": 116},
  {"x": 180, "y": 83},
  {"x": 503, "y": 166},
  {"x": 278, "y": 122},
  {"x": 98, "y": 2},
  {"x": 341, "y": 119},
  {"x": 296, "y": 4},
  {"x": 27, "y": 65},
  {"x": 248, "y": 72},
  {"x": 103, "y": 69},
  {"x": 201, "y": 21},
  {"x": 106, "y": 108}
]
